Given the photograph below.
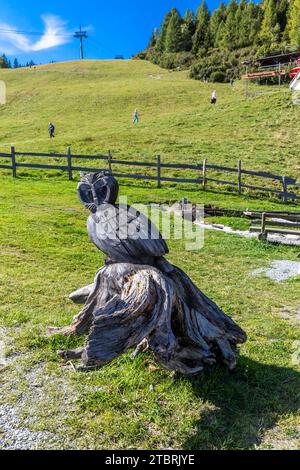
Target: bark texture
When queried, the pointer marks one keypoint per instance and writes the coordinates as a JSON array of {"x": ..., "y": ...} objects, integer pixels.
[{"x": 143, "y": 307}]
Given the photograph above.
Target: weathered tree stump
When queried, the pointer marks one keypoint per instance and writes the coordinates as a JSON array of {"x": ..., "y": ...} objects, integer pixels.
[
  {"x": 144, "y": 302},
  {"x": 139, "y": 306}
]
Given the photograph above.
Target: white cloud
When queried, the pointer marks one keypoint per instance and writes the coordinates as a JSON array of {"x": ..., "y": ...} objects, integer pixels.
[{"x": 55, "y": 34}]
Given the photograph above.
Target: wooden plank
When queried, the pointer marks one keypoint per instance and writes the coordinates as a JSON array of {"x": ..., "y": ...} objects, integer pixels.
[
  {"x": 6, "y": 167},
  {"x": 263, "y": 174},
  {"x": 13, "y": 162},
  {"x": 109, "y": 162},
  {"x": 158, "y": 172},
  {"x": 204, "y": 171},
  {"x": 283, "y": 232},
  {"x": 284, "y": 189},
  {"x": 259, "y": 188},
  {"x": 273, "y": 213},
  {"x": 255, "y": 229},
  {"x": 279, "y": 231},
  {"x": 70, "y": 164},
  {"x": 239, "y": 177},
  {"x": 271, "y": 223},
  {"x": 275, "y": 191},
  {"x": 263, "y": 227},
  {"x": 292, "y": 196},
  {"x": 267, "y": 74},
  {"x": 287, "y": 218},
  {"x": 5, "y": 155}
]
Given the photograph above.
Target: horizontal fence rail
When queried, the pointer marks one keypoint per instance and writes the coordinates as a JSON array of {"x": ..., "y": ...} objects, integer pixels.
[
  {"x": 288, "y": 185},
  {"x": 284, "y": 224}
]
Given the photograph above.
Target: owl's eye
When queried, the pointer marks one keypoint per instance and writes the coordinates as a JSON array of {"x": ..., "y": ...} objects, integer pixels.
[{"x": 101, "y": 194}]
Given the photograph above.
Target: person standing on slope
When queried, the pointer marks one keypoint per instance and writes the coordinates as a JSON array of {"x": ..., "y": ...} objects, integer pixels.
[
  {"x": 51, "y": 130},
  {"x": 136, "y": 117},
  {"x": 213, "y": 97}
]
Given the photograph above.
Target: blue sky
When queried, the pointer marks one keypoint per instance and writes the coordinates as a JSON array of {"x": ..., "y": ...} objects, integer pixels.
[{"x": 114, "y": 27}]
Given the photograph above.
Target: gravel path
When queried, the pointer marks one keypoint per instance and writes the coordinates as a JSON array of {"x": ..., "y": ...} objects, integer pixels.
[
  {"x": 280, "y": 271},
  {"x": 14, "y": 436}
]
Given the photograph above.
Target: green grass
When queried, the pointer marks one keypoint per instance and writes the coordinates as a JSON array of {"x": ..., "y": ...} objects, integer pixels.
[
  {"x": 46, "y": 254},
  {"x": 92, "y": 104}
]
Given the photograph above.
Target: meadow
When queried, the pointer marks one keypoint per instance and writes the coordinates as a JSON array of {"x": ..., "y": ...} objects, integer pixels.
[
  {"x": 46, "y": 254},
  {"x": 92, "y": 105}
]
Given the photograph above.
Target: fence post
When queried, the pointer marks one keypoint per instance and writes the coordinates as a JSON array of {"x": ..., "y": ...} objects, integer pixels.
[
  {"x": 284, "y": 184},
  {"x": 204, "y": 181},
  {"x": 240, "y": 176},
  {"x": 70, "y": 164},
  {"x": 263, "y": 235},
  {"x": 13, "y": 162},
  {"x": 110, "y": 162},
  {"x": 158, "y": 172}
]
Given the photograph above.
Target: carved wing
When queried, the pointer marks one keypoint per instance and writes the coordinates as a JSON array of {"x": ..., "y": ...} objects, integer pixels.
[
  {"x": 126, "y": 235},
  {"x": 143, "y": 237}
]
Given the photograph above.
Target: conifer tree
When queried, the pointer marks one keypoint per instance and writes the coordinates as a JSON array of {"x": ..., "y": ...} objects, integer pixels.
[
  {"x": 4, "y": 63},
  {"x": 248, "y": 22},
  {"x": 201, "y": 37},
  {"x": 282, "y": 14},
  {"x": 242, "y": 22},
  {"x": 270, "y": 29},
  {"x": 153, "y": 39},
  {"x": 255, "y": 15},
  {"x": 231, "y": 27},
  {"x": 161, "y": 41},
  {"x": 188, "y": 30},
  {"x": 217, "y": 21},
  {"x": 174, "y": 39}
]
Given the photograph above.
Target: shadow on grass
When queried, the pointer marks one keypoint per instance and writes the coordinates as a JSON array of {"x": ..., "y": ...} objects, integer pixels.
[{"x": 244, "y": 404}]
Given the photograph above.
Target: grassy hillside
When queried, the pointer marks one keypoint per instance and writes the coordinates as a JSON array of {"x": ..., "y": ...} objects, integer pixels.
[
  {"x": 45, "y": 254},
  {"x": 92, "y": 104}
]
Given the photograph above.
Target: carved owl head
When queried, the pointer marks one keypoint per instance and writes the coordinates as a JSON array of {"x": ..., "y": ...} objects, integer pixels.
[{"x": 96, "y": 189}]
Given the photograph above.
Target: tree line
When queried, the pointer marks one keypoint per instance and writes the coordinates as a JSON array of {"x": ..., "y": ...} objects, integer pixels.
[
  {"x": 5, "y": 63},
  {"x": 233, "y": 31}
]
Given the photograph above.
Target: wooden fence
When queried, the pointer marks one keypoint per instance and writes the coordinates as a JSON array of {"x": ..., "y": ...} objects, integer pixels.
[
  {"x": 281, "y": 223},
  {"x": 288, "y": 185}
]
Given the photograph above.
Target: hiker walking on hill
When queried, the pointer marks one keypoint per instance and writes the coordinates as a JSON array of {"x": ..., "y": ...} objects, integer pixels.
[
  {"x": 51, "y": 130},
  {"x": 213, "y": 97},
  {"x": 136, "y": 117}
]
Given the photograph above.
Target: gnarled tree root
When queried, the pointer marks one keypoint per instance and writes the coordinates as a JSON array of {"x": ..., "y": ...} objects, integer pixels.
[{"x": 140, "y": 306}]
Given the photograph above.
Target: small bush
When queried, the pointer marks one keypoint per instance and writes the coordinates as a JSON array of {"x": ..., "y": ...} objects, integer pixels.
[{"x": 219, "y": 77}]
